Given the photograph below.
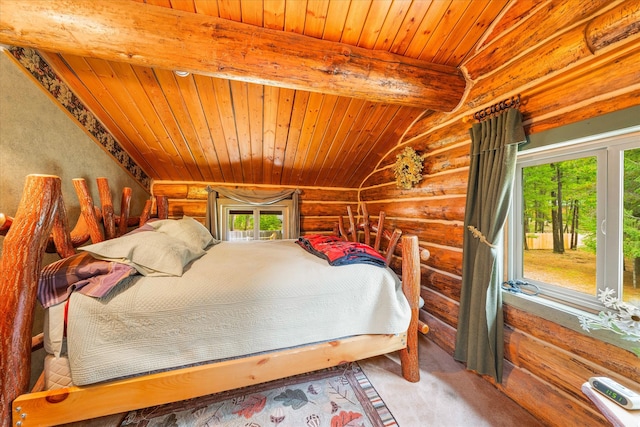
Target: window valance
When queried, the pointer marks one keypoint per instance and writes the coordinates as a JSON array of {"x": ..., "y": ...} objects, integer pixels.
[{"x": 251, "y": 197}]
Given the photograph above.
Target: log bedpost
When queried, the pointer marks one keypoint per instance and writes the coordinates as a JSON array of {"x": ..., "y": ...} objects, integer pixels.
[
  {"x": 379, "y": 231},
  {"x": 352, "y": 225},
  {"x": 5, "y": 224},
  {"x": 22, "y": 254},
  {"x": 411, "y": 288},
  {"x": 106, "y": 202},
  {"x": 366, "y": 225},
  {"x": 162, "y": 206},
  {"x": 61, "y": 235},
  {"x": 391, "y": 246},
  {"x": 125, "y": 207},
  {"x": 146, "y": 212},
  {"x": 87, "y": 209}
]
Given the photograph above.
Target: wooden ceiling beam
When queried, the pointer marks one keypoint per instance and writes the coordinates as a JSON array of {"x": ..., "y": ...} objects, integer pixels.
[{"x": 160, "y": 37}]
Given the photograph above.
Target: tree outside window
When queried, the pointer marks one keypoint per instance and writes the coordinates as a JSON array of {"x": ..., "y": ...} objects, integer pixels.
[{"x": 560, "y": 222}]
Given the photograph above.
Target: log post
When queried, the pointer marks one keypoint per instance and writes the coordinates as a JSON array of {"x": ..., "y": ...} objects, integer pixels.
[
  {"x": 162, "y": 206},
  {"x": 146, "y": 213},
  {"x": 391, "y": 246},
  {"x": 125, "y": 207},
  {"x": 107, "y": 208},
  {"x": 365, "y": 224},
  {"x": 61, "y": 236},
  {"x": 411, "y": 288},
  {"x": 5, "y": 224},
  {"x": 23, "y": 249},
  {"x": 341, "y": 230},
  {"x": 80, "y": 233},
  {"x": 352, "y": 225},
  {"x": 87, "y": 209},
  {"x": 423, "y": 328},
  {"x": 379, "y": 231}
]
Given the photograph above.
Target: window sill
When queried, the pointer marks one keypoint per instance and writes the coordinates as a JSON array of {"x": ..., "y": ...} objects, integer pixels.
[{"x": 564, "y": 315}]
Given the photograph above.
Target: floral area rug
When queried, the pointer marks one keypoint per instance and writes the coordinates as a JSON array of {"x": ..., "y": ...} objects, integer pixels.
[{"x": 335, "y": 397}]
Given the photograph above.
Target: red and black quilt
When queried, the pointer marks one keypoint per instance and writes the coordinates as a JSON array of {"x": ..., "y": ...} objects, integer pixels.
[{"x": 339, "y": 252}]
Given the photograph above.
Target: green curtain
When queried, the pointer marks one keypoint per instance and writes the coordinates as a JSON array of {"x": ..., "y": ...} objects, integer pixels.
[{"x": 494, "y": 144}]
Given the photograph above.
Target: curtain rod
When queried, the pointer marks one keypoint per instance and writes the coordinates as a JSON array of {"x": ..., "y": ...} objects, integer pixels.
[{"x": 488, "y": 112}]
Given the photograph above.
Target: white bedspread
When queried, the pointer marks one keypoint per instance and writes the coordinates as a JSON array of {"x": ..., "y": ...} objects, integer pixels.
[{"x": 239, "y": 298}]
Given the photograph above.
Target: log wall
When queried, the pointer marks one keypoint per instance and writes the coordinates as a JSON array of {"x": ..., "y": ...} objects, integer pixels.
[
  {"x": 584, "y": 62},
  {"x": 319, "y": 207}
]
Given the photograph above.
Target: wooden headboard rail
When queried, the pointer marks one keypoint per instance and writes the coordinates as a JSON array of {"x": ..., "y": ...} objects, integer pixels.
[
  {"x": 88, "y": 227},
  {"x": 113, "y": 225},
  {"x": 40, "y": 226}
]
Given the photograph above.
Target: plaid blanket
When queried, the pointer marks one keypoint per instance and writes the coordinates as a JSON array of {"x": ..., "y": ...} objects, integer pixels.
[
  {"x": 339, "y": 252},
  {"x": 80, "y": 272},
  {"x": 83, "y": 273}
]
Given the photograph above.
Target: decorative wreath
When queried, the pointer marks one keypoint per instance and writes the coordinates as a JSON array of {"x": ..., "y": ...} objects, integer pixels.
[{"x": 408, "y": 168}]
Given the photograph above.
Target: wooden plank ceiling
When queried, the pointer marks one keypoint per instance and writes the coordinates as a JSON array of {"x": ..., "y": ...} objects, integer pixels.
[{"x": 202, "y": 128}]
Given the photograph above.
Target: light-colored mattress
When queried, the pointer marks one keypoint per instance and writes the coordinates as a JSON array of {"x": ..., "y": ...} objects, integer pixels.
[
  {"x": 239, "y": 298},
  {"x": 57, "y": 373}
]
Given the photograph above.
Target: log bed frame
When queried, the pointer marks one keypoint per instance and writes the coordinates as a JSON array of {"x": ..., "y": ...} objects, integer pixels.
[{"x": 41, "y": 219}]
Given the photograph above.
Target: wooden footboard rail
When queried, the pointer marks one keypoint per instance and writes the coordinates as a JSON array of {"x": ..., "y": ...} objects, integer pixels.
[
  {"x": 41, "y": 214},
  {"x": 393, "y": 241}
]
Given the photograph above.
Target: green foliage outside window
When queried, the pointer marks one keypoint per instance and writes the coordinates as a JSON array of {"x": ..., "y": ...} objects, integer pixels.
[
  {"x": 631, "y": 214},
  {"x": 268, "y": 222},
  {"x": 560, "y": 198},
  {"x": 242, "y": 222}
]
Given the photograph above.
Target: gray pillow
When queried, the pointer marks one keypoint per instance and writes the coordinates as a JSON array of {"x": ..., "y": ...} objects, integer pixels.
[
  {"x": 149, "y": 252},
  {"x": 186, "y": 229}
]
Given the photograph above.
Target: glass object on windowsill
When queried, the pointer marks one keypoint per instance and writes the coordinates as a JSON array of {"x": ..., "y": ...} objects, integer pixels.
[{"x": 624, "y": 319}]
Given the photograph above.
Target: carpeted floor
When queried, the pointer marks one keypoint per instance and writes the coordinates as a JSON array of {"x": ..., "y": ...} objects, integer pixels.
[{"x": 446, "y": 396}]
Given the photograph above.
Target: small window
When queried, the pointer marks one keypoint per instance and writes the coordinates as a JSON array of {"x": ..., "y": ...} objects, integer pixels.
[
  {"x": 248, "y": 222},
  {"x": 575, "y": 224}
]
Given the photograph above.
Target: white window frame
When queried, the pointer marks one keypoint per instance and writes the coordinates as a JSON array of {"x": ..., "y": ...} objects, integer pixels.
[
  {"x": 226, "y": 206},
  {"x": 608, "y": 148}
]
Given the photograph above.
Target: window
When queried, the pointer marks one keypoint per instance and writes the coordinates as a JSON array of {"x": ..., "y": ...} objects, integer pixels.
[
  {"x": 575, "y": 222},
  {"x": 250, "y": 222}
]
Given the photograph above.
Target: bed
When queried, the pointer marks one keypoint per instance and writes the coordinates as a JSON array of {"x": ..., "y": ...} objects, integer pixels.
[{"x": 151, "y": 360}]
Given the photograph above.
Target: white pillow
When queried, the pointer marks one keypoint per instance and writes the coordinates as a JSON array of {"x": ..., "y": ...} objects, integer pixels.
[
  {"x": 149, "y": 252},
  {"x": 186, "y": 229}
]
